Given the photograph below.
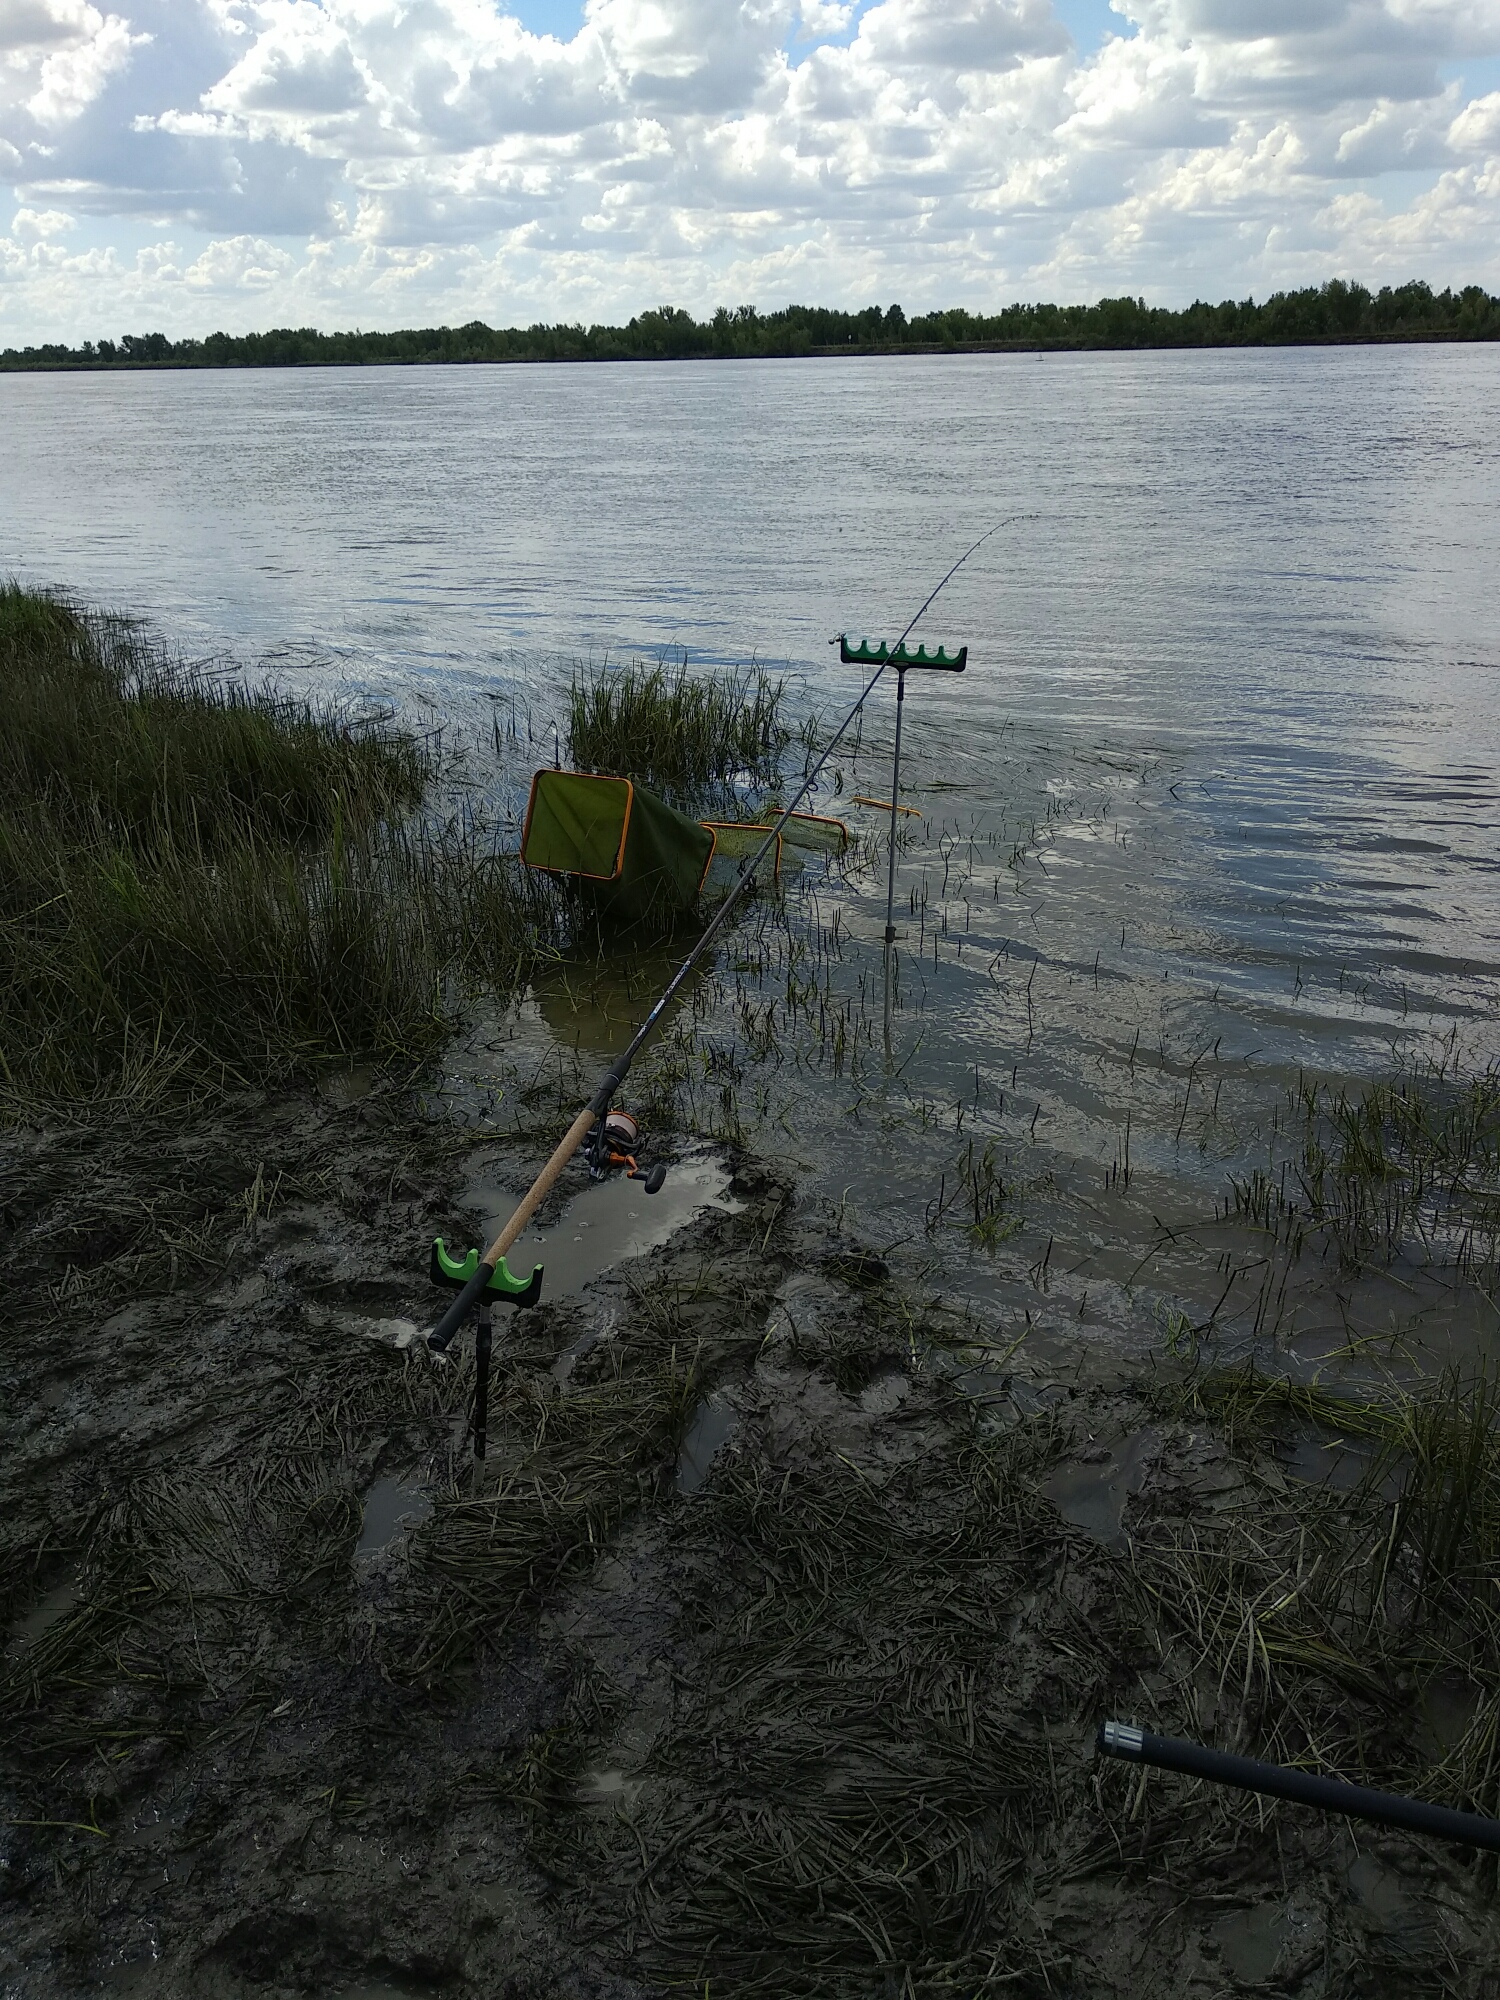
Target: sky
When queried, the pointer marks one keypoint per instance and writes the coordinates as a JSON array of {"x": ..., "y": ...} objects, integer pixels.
[{"x": 194, "y": 164}]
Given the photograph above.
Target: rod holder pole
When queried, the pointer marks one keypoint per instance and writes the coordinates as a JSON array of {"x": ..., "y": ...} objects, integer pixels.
[
  {"x": 890, "y": 876},
  {"x": 483, "y": 1335}
]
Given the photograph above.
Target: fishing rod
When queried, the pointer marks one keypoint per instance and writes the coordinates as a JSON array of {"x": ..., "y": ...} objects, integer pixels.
[{"x": 478, "y": 1282}]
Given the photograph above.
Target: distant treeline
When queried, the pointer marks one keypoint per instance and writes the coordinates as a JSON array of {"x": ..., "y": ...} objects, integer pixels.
[{"x": 1335, "y": 312}]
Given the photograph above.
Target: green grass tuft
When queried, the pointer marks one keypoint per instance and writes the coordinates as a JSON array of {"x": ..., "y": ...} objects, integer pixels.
[{"x": 685, "y": 735}]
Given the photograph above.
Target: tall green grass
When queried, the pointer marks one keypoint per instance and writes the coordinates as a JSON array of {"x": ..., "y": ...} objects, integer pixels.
[
  {"x": 686, "y": 735},
  {"x": 101, "y": 729},
  {"x": 200, "y": 878}
]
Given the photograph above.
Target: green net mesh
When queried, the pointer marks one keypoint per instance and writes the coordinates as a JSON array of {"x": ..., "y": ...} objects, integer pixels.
[{"x": 638, "y": 856}]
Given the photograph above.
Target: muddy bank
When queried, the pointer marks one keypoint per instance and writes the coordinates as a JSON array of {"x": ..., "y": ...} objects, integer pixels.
[{"x": 765, "y": 1658}]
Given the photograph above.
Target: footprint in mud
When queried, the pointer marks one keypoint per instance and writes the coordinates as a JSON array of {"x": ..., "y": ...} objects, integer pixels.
[
  {"x": 381, "y": 1991},
  {"x": 712, "y": 1424},
  {"x": 1255, "y": 1942},
  {"x": 391, "y": 1509},
  {"x": 1250, "y": 1942},
  {"x": 1093, "y": 1497}
]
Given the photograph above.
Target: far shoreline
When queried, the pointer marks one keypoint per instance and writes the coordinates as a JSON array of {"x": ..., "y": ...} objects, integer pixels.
[
  {"x": 1335, "y": 314},
  {"x": 904, "y": 350}
]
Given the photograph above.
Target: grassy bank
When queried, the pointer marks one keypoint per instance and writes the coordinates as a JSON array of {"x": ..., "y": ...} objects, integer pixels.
[{"x": 209, "y": 880}]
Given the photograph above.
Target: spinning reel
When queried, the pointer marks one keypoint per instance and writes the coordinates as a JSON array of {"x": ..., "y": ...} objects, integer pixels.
[{"x": 615, "y": 1143}]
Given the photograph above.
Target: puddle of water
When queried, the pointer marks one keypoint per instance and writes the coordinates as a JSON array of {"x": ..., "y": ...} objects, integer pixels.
[
  {"x": 1093, "y": 1497},
  {"x": 153, "y": 1826},
  {"x": 1448, "y": 1709},
  {"x": 1251, "y": 1941},
  {"x": 134, "y": 1975},
  {"x": 712, "y": 1424},
  {"x": 501, "y": 1899},
  {"x": 388, "y": 1332},
  {"x": 1377, "y": 1891},
  {"x": 609, "y": 1222},
  {"x": 390, "y": 1509},
  {"x": 48, "y": 1611}
]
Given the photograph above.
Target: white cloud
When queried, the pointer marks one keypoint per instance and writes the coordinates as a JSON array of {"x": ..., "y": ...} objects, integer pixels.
[
  {"x": 32, "y": 225},
  {"x": 238, "y": 263},
  {"x": 961, "y": 34},
  {"x": 370, "y": 160},
  {"x": 1476, "y": 129},
  {"x": 1392, "y": 136},
  {"x": 819, "y": 18},
  {"x": 56, "y": 57}
]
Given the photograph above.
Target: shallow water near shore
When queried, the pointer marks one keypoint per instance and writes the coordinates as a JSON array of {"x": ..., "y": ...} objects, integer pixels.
[{"x": 1212, "y": 809}]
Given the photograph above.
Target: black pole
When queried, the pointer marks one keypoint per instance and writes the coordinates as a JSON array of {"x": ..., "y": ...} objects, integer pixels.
[
  {"x": 890, "y": 874},
  {"x": 890, "y": 877},
  {"x": 482, "y": 1337},
  {"x": 1195, "y": 1760}
]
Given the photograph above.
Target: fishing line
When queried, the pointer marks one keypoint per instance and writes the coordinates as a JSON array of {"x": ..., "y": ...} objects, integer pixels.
[{"x": 598, "y": 1105}]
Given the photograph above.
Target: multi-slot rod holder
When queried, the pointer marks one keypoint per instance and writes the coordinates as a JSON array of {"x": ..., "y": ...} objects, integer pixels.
[{"x": 879, "y": 654}]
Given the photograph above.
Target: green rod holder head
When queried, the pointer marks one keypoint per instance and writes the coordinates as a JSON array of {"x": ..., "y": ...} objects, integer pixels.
[
  {"x": 879, "y": 654},
  {"x": 455, "y": 1273}
]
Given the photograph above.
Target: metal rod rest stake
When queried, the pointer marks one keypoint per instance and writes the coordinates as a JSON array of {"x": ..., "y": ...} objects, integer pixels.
[
  {"x": 890, "y": 878},
  {"x": 483, "y": 1334}
]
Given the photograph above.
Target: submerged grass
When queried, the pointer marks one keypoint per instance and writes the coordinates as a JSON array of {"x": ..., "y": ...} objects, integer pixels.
[
  {"x": 686, "y": 735},
  {"x": 1409, "y": 1168},
  {"x": 198, "y": 877}
]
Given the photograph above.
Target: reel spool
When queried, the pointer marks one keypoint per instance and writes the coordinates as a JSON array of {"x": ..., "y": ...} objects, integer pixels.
[{"x": 615, "y": 1143}]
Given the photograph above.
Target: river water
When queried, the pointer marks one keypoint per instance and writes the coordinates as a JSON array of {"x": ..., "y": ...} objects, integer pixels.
[{"x": 1214, "y": 806}]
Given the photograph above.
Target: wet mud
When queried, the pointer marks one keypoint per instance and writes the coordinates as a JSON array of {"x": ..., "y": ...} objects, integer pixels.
[{"x": 763, "y": 1656}]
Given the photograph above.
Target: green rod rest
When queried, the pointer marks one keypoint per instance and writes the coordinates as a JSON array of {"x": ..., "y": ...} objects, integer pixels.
[
  {"x": 881, "y": 655},
  {"x": 455, "y": 1273}
]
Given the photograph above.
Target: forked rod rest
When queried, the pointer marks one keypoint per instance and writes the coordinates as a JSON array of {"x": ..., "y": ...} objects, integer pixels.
[{"x": 1277, "y": 1781}]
